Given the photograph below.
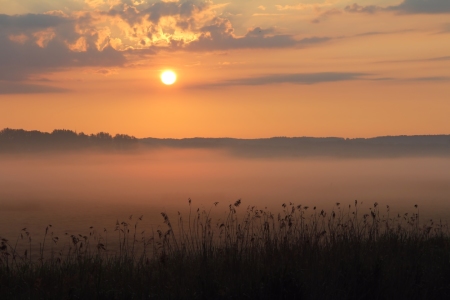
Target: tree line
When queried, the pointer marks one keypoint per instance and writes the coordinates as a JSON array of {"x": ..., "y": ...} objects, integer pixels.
[{"x": 61, "y": 139}]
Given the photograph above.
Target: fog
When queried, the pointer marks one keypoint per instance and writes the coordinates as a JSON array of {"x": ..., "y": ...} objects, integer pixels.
[{"x": 75, "y": 191}]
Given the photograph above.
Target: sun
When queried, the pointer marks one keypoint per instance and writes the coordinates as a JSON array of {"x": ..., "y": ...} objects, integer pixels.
[{"x": 168, "y": 77}]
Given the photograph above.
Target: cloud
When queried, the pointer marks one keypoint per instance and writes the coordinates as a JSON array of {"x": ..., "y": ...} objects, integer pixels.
[
  {"x": 423, "y": 6},
  {"x": 189, "y": 25},
  {"x": 35, "y": 21},
  {"x": 266, "y": 15},
  {"x": 296, "y": 78},
  {"x": 441, "y": 58},
  {"x": 371, "y": 33},
  {"x": 220, "y": 36},
  {"x": 96, "y": 4},
  {"x": 35, "y": 44},
  {"x": 20, "y": 60},
  {"x": 430, "y": 79},
  {"x": 106, "y": 72},
  {"x": 7, "y": 88},
  {"x": 432, "y": 59},
  {"x": 445, "y": 29},
  {"x": 406, "y": 7},
  {"x": 356, "y": 8},
  {"x": 194, "y": 26},
  {"x": 110, "y": 34},
  {"x": 185, "y": 11},
  {"x": 313, "y": 78},
  {"x": 325, "y": 15},
  {"x": 304, "y": 6}
]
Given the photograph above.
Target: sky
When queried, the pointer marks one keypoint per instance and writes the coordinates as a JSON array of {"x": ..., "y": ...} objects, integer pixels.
[{"x": 246, "y": 68}]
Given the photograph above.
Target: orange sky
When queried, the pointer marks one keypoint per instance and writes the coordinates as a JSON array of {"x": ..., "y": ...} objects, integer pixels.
[{"x": 245, "y": 68}]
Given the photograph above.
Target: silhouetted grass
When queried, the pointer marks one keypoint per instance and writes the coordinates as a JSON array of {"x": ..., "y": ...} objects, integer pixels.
[{"x": 301, "y": 253}]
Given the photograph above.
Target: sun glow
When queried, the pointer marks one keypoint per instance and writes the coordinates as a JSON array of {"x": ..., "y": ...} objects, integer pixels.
[{"x": 168, "y": 77}]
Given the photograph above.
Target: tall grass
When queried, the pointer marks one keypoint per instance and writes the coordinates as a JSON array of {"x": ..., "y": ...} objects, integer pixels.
[{"x": 300, "y": 253}]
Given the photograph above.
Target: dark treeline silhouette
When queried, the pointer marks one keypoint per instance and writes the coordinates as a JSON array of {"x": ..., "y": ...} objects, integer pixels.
[
  {"x": 388, "y": 146},
  {"x": 19, "y": 140}
]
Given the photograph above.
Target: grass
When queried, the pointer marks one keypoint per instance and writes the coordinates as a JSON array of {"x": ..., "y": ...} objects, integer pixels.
[{"x": 300, "y": 253}]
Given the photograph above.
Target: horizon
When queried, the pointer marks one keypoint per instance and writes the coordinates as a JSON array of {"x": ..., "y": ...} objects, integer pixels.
[{"x": 226, "y": 137}]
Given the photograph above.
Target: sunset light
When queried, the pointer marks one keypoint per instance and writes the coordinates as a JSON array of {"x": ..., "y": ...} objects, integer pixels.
[
  {"x": 230, "y": 119},
  {"x": 168, "y": 77}
]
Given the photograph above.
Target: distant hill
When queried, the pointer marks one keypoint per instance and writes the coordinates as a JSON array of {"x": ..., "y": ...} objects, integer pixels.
[{"x": 22, "y": 141}]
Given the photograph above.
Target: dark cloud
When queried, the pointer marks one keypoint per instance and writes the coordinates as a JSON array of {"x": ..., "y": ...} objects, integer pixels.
[
  {"x": 372, "y": 33},
  {"x": 406, "y": 7},
  {"x": 296, "y": 78},
  {"x": 220, "y": 36},
  {"x": 129, "y": 14},
  {"x": 160, "y": 9},
  {"x": 434, "y": 79},
  {"x": 430, "y": 79},
  {"x": 432, "y": 59},
  {"x": 35, "y": 44},
  {"x": 34, "y": 21},
  {"x": 18, "y": 60},
  {"x": 423, "y": 6},
  {"x": 7, "y": 88},
  {"x": 313, "y": 40},
  {"x": 313, "y": 78},
  {"x": 185, "y": 10}
]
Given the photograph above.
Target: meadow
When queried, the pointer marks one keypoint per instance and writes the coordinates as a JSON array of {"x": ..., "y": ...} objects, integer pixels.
[{"x": 350, "y": 252}]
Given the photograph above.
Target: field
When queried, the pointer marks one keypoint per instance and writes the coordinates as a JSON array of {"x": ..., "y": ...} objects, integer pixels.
[{"x": 350, "y": 252}]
